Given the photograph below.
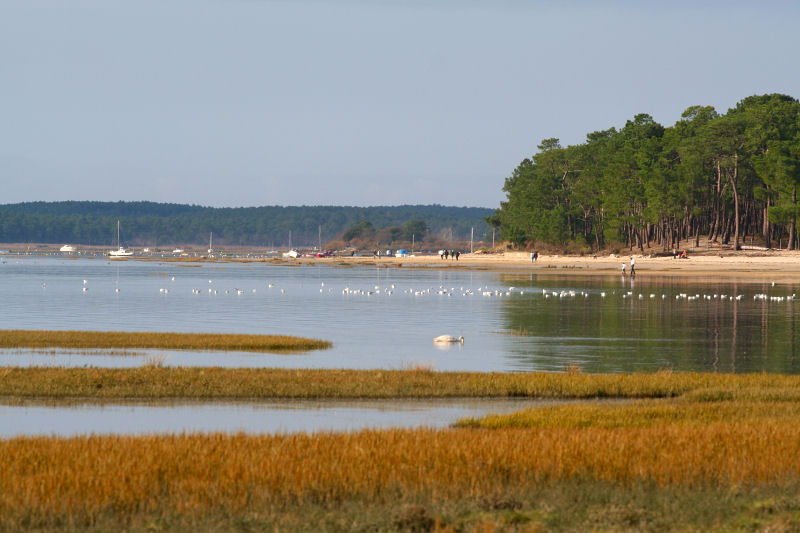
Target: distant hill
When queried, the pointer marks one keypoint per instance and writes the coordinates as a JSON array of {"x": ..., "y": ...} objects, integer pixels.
[{"x": 157, "y": 224}]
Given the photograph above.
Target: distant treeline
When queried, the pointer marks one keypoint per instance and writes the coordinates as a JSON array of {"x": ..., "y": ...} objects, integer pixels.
[
  {"x": 157, "y": 224},
  {"x": 726, "y": 177}
]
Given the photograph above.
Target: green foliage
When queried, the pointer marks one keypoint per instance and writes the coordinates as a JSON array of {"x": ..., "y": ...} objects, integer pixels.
[
  {"x": 414, "y": 228},
  {"x": 154, "y": 224},
  {"x": 710, "y": 173},
  {"x": 363, "y": 229}
]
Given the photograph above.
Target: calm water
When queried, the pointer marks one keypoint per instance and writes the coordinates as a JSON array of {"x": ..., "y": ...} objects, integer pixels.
[
  {"x": 257, "y": 417},
  {"x": 386, "y": 317}
]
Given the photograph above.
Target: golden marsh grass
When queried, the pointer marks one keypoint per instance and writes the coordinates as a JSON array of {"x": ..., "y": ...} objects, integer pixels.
[
  {"x": 697, "y": 452},
  {"x": 18, "y": 338},
  {"x": 640, "y": 413},
  {"x": 420, "y": 382},
  {"x": 80, "y": 480}
]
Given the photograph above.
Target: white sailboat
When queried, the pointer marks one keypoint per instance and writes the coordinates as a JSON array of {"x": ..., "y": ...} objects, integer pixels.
[{"x": 120, "y": 252}]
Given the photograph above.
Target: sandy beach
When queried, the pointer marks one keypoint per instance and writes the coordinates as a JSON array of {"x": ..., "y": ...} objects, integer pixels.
[{"x": 780, "y": 265}]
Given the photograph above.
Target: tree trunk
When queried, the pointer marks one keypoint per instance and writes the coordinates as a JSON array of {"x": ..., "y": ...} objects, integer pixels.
[
  {"x": 726, "y": 231},
  {"x": 734, "y": 178},
  {"x": 792, "y": 222}
]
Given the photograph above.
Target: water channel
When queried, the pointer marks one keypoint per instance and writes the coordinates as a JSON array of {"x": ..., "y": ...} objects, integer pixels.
[{"x": 381, "y": 318}]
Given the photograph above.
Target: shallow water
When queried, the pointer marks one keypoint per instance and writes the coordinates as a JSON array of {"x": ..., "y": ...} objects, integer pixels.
[
  {"x": 386, "y": 317},
  {"x": 263, "y": 417}
]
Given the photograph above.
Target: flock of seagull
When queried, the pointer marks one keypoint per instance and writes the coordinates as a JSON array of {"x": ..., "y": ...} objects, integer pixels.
[{"x": 486, "y": 291}]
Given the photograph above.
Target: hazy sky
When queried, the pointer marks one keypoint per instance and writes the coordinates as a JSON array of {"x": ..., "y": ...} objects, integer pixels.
[{"x": 351, "y": 102}]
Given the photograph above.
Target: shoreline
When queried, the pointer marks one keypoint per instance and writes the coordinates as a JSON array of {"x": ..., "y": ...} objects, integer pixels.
[{"x": 777, "y": 264}]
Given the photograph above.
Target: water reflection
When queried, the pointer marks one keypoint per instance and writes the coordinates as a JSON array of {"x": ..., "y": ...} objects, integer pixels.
[{"x": 657, "y": 322}]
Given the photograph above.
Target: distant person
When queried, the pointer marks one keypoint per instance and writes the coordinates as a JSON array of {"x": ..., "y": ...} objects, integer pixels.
[
  {"x": 633, "y": 266},
  {"x": 623, "y": 269},
  {"x": 441, "y": 254},
  {"x": 458, "y": 254},
  {"x": 446, "y": 253},
  {"x": 535, "y": 256},
  {"x": 532, "y": 259}
]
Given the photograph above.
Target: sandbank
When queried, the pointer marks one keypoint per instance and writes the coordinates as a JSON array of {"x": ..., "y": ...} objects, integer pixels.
[{"x": 773, "y": 265}]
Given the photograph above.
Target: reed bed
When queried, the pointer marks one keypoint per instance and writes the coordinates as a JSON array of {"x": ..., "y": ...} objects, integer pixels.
[
  {"x": 54, "y": 482},
  {"x": 695, "y": 452},
  {"x": 640, "y": 413},
  {"x": 154, "y": 382},
  {"x": 19, "y": 338}
]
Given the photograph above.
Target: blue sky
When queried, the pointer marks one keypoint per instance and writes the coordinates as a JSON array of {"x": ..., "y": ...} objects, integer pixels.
[{"x": 351, "y": 102}]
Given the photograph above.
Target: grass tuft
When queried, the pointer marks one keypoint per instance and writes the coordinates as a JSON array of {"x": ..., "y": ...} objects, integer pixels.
[{"x": 38, "y": 339}]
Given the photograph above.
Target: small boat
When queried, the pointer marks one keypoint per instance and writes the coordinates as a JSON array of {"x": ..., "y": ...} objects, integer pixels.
[
  {"x": 120, "y": 252},
  {"x": 294, "y": 254},
  {"x": 68, "y": 248},
  {"x": 177, "y": 251}
]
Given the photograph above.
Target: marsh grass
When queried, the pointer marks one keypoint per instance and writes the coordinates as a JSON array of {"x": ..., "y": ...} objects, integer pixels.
[
  {"x": 191, "y": 382},
  {"x": 553, "y": 478},
  {"x": 688, "y": 452},
  {"x": 421, "y": 382},
  {"x": 150, "y": 340},
  {"x": 88, "y": 352},
  {"x": 155, "y": 361},
  {"x": 641, "y": 413}
]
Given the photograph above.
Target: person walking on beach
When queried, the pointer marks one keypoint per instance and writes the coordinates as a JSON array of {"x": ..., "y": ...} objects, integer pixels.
[
  {"x": 633, "y": 266},
  {"x": 446, "y": 253},
  {"x": 623, "y": 269},
  {"x": 457, "y": 254}
]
